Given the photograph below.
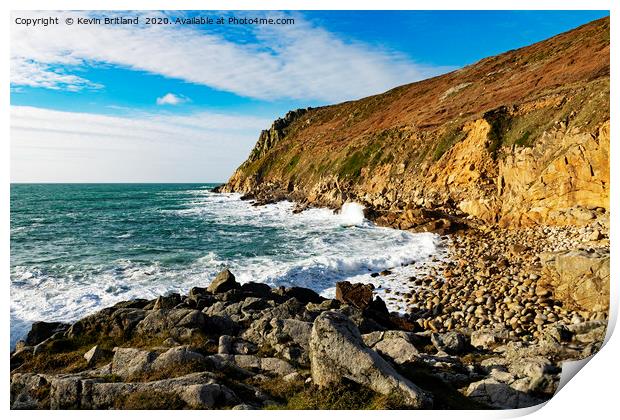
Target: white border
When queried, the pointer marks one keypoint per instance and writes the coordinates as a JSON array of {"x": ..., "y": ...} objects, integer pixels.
[{"x": 591, "y": 395}]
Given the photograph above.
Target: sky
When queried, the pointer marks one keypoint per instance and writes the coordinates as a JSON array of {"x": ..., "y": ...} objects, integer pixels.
[{"x": 186, "y": 102}]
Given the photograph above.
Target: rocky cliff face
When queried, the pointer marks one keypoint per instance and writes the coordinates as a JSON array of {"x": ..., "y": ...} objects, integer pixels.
[{"x": 517, "y": 139}]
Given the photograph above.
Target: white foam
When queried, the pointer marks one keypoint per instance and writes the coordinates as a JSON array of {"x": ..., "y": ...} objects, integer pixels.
[{"x": 352, "y": 214}]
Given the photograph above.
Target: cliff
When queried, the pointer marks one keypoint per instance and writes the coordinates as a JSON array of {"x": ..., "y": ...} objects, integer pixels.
[{"x": 517, "y": 139}]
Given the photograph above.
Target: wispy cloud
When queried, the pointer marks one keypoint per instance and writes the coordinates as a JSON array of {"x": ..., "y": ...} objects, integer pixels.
[
  {"x": 55, "y": 146},
  {"x": 301, "y": 61},
  {"x": 25, "y": 72},
  {"x": 171, "y": 99}
]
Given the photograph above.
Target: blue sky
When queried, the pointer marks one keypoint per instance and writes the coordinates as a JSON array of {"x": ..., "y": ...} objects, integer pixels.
[{"x": 182, "y": 103}]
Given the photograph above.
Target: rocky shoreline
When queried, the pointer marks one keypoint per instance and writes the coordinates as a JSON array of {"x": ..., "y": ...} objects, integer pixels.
[{"x": 487, "y": 329}]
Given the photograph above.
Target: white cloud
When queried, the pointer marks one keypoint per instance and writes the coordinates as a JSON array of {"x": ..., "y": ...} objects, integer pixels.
[
  {"x": 29, "y": 73},
  {"x": 300, "y": 61},
  {"x": 55, "y": 146},
  {"x": 171, "y": 99}
]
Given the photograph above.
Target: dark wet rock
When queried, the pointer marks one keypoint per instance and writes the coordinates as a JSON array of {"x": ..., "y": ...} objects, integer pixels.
[
  {"x": 221, "y": 325},
  {"x": 358, "y": 294},
  {"x": 41, "y": 331},
  {"x": 167, "y": 302},
  {"x": 133, "y": 304},
  {"x": 253, "y": 304},
  {"x": 326, "y": 305},
  {"x": 301, "y": 294},
  {"x": 116, "y": 322},
  {"x": 260, "y": 290}
]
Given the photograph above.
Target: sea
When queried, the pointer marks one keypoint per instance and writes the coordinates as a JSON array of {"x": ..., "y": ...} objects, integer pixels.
[{"x": 78, "y": 248}]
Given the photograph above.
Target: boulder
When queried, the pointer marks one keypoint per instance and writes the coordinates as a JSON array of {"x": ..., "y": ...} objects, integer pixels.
[
  {"x": 225, "y": 344},
  {"x": 260, "y": 290},
  {"x": 114, "y": 321},
  {"x": 196, "y": 391},
  {"x": 267, "y": 364},
  {"x": 65, "y": 392},
  {"x": 357, "y": 294},
  {"x": 500, "y": 395},
  {"x": 451, "y": 342},
  {"x": 223, "y": 282},
  {"x": 337, "y": 351},
  {"x": 578, "y": 278},
  {"x": 241, "y": 346},
  {"x": 482, "y": 339},
  {"x": 173, "y": 322},
  {"x": 176, "y": 356},
  {"x": 326, "y": 305},
  {"x": 396, "y": 345},
  {"x": 93, "y": 355},
  {"x": 251, "y": 304},
  {"x": 167, "y": 302},
  {"x": 274, "y": 332},
  {"x": 23, "y": 388},
  {"x": 128, "y": 362},
  {"x": 205, "y": 396},
  {"x": 301, "y": 294},
  {"x": 41, "y": 331}
]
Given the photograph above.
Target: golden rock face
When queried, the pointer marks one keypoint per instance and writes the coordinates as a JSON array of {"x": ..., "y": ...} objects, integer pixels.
[{"x": 515, "y": 140}]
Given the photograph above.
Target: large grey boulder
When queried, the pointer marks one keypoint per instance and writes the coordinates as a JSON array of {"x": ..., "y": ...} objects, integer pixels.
[
  {"x": 337, "y": 351},
  {"x": 202, "y": 396},
  {"x": 273, "y": 331}
]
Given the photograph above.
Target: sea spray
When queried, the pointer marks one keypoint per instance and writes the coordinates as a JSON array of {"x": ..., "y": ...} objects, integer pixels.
[{"x": 352, "y": 214}]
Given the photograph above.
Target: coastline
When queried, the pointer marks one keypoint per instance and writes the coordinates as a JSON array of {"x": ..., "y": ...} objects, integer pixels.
[{"x": 484, "y": 327}]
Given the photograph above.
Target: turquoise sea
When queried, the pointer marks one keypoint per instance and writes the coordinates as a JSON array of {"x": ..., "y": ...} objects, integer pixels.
[{"x": 77, "y": 248}]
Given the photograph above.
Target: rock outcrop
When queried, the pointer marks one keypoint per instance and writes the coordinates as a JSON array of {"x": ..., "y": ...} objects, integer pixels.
[
  {"x": 518, "y": 139},
  {"x": 578, "y": 278},
  {"x": 238, "y": 350},
  {"x": 337, "y": 351}
]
